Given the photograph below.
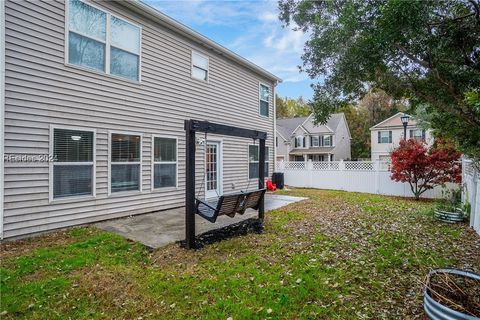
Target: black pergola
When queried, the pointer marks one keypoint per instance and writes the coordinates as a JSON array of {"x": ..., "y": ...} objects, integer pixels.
[{"x": 193, "y": 126}]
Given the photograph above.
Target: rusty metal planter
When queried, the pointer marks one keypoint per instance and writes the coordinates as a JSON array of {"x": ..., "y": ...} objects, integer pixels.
[{"x": 437, "y": 311}]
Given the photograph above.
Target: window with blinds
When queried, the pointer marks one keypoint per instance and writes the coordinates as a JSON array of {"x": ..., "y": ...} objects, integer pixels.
[
  {"x": 164, "y": 162},
  {"x": 417, "y": 134},
  {"x": 384, "y": 136},
  {"x": 73, "y": 168},
  {"x": 125, "y": 162},
  {"x": 253, "y": 160},
  {"x": 199, "y": 66}
]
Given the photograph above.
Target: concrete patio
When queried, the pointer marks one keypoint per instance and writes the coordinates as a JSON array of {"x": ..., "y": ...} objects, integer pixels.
[{"x": 160, "y": 228}]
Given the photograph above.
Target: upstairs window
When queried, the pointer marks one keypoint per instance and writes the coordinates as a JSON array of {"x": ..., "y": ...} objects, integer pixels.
[
  {"x": 253, "y": 158},
  {"x": 199, "y": 66},
  {"x": 327, "y": 141},
  {"x": 264, "y": 100},
  {"x": 125, "y": 162},
  {"x": 300, "y": 142},
  {"x": 417, "y": 134},
  {"x": 100, "y": 41},
  {"x": 384, "y": 136},
  {"x": 164, "y": 162},
  {"x": 73, "y": 169}
]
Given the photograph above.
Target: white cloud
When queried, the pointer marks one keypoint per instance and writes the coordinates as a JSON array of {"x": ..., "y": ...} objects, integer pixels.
[{"x": 260, "y": 35}]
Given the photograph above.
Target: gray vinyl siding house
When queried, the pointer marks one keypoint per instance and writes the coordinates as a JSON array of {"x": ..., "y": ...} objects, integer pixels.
[
  {"x": 300, "y": 139},
  {"x": 44, "y": 92}
]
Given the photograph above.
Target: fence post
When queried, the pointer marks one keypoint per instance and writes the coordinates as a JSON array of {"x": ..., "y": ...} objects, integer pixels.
[
  {"x": 341, "y": 169},
  {"x": 309, "y": 167},
  {"x": 376, "y": 168}
]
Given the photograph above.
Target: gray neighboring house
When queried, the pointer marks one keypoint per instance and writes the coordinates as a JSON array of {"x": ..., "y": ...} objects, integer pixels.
[
  {"x": 299, "y": 139},
  {"x": 93, "y": 99}
]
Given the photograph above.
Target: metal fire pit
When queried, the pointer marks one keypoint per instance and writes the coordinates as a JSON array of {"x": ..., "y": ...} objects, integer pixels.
[
  {"x": 449, "y": 217},
  {"x": 437, "y": 311}
]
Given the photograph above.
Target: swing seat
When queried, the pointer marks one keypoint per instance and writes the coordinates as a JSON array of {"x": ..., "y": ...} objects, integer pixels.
[
  {"x": 225, "y": 205},
  {"x": 229, "y": 204},
  {"x": 252, "y": 200}
]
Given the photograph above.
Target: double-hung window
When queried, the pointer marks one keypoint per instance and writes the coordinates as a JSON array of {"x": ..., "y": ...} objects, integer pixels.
[
  {"x": 327, "y": 141},
  {"x": 384, "y": 136},
  {"x": 125, "y": 162},
  {"x": 199, "y": 66},
  {"x": 417, "y": 134},
  {"x": 300, "y": 142},
  {"x": 253, "y": 160},
  {"x": 315, "y": 141},
  {"x": 164, "y": 162},
  {"x": 100, "y": 41},
  {"x": 73, "y": 168},
  {"x": 264, "y": 100}
]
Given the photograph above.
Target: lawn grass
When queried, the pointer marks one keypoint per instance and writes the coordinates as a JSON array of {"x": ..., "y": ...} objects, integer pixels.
[{"x": 337, "y": 255}]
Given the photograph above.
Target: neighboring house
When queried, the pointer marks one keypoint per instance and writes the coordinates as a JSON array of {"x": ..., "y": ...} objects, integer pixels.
[
  {"x": 299, "y": 139},
  {"x": 103, "y": 88},
  {"x": 386, "y": 135}
]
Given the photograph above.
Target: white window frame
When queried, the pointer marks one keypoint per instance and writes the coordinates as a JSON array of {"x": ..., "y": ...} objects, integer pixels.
[
  {"x": 260, "y": 84},
  {"x": 140, "y": 163},
  {"x": 388, "y": 137},
  {"x": 106, "y": 42},
  {"x": 192, "y": 52},
  {"x": 330, "y": 138},
  {"x": 318, "y": 141},
  {"x": 267, "y": 159},
  {"x": 163, "y": 162},
  {"x": 51, "y": 164},
  {"x": 304, "y": 146},
  {"x": 412, "y": 136}
]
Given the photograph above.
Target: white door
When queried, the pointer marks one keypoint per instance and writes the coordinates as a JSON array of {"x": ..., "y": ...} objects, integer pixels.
[{"x": 213, "y": 169}]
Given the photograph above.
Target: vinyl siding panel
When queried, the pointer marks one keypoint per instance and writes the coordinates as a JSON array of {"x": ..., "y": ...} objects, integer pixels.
[{"x": 42, "y": 90}]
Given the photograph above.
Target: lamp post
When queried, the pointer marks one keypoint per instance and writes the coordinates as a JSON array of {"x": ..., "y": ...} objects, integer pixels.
[{"x": 405, "y": 119}]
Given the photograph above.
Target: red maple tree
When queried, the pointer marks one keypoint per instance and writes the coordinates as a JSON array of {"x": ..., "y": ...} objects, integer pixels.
[{"x": 423, "y": 167}]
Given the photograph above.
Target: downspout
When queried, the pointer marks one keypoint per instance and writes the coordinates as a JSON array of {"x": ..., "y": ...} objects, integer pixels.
[
  {"x": 2, "y": 111},
  {"x": 274, "y": 128}
]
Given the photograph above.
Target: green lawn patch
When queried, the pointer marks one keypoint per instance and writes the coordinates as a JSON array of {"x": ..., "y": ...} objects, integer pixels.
[{"x": 337, "y": 255}]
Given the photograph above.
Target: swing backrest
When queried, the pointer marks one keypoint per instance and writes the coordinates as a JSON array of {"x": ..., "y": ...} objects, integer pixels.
[
  {"x": 252, "y": 200},
  {"x": 229, "y": 204}
]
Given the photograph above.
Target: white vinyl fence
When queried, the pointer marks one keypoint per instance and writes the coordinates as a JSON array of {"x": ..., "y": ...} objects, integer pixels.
[
  {"x": 471, "y": 192},
  {"x": 356, "y": 176}
]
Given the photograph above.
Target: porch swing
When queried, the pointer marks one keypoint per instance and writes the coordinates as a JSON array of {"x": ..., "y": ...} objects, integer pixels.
[{"x": 229, "y": 204}]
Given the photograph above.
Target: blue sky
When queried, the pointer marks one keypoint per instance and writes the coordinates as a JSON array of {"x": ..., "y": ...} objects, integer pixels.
[{"x": 251, "y": 29}]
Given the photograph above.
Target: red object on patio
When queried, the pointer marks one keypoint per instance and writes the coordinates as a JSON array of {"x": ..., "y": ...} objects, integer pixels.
[{"x": 271, "y": 186}]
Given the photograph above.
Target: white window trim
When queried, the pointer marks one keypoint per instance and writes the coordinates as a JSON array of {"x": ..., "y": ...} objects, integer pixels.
[
  {"x": 140, "y": 176},
  {"x": 51, "y": 199},
  {"x": 260, "y": 84},
  {"x": 106, "y": 42},
  {"x": 330, "y": 138},
  {"x": 388, "y": 137},
  {"x": 304, "y": 146},
  {"x": 152, "y": 186},
  {"x": 192, "y": 65},
  {"x": 318, "y": 144},
  {"x": 267, "y": 159}
]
